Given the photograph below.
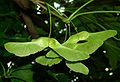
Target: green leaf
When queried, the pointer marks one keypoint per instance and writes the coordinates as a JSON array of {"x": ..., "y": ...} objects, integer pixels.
[
  {"x": 113, "y": 54},
  {"x": 48, "y": 61},
  {"x": 89, "y": 47},
  {"x": 46, "y": 42},
  {"x": 26, "y": 48},
  {"x": 71, "y": 54},
  {"x": 95, "y": 40},
  {"x": 23, "y": 48},
  {"x": 60, "y": 77},
  {"x": 70, "y": 45},
  {"x": 78, "y": 37},
  {"x": 23, "y": 73},
  {"x": 53, "y": 43},
  {"x": 78, "y": 67},
  {"x": 68, "y": 53},
  {"x": 52, "y": 54},
  {"x": 73, "y": 51},
  {"x": 103, "y": 35}
]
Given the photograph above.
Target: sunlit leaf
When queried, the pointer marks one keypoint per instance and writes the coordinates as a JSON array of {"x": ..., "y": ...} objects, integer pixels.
[
  {"x": 68, "y": 53},
  {"x": 47, "y": 42},
  {"x": 26, "y": 48},
  {"x": 78, "y": 37},
  {"x": 47, "y": 61},
  {"x": 53, "y": 43},
  {"x": 71, "y": 54},
  {"x": 23, "y": 49},
  {"x": 70, "y": 50},
  {"x": 95, "y": 40},
  {"x": 70, "y": 45},
  {"x": 89, "y": 47},
  {"x": 73, "y": 51},
  {"x": 78, "y": 67},
  {"x": 52, "y": 54},
  {"x": 103, "y": 35}
]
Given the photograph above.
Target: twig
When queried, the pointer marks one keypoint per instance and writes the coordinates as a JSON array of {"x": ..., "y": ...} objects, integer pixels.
[{"x": 30, "y": 25}]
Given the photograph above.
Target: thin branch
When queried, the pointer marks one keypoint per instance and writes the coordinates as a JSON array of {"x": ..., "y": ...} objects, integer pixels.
[
  {"x": 74, "y": 26},
  {"x": 72, "y": 15},
  {"x": 94, "y": 12},
  {"x": 50, "y": 21},
  {"x": 66, "y": 33},
  {"x": 69, "y": 30},
  {"x": 24, "y": 4},
  {"x": 30, "y": 25},
  {"x": 37, "y": 2}
]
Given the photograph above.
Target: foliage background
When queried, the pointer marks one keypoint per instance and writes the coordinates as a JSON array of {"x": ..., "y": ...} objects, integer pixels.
[{"x": 19, "y": 21}]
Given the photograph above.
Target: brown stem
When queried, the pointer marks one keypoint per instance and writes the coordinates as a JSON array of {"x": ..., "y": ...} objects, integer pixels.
[
  {"x": 24, "y": 5},
  {"x": 30, "y": 25}
]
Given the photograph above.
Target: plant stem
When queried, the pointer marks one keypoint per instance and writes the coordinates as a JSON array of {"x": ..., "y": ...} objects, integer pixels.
[
  {"x": 54, "y": 9},
  {"x": 30, "y": 25},
  {"x": 59, "y": 16},
  {"x": 69, "y": 30},
  {"x": 74, "y": 27},
  {"x": 72, "y": 15},
  {"x": 50, "y": 20},
  {"x": 66, "y": 33},
  {"x": 4, "y": 72},
  {"x": 94, "y": 12}
]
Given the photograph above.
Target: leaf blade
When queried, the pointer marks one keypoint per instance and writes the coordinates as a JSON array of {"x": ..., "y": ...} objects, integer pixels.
[
  {"x": 22, "y": 49},
  {"x": 71, "y": 54},
  {"x": 95, "y": 40},
  {"x": 78, "y": 67},
  {"x": 48, "y": 61}
]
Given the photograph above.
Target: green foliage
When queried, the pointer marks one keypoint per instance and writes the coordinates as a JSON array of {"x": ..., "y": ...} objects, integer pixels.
[
  {"x": 72, "y": 41},
  {"x": 23, "y": 49},
  {"x": 78, "y": 52},
  {"x": 60, "y": 77},
  {"x": 112, "y": 54},
  {"x": 21, "y": 74},
  {"x": 48, "y": 61},
  {"x": 78, "y": 37},
  {"x": 27, "y": 48},
  {"x": 95, "y": 40},
  {"x": 78, "y": 67}
]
